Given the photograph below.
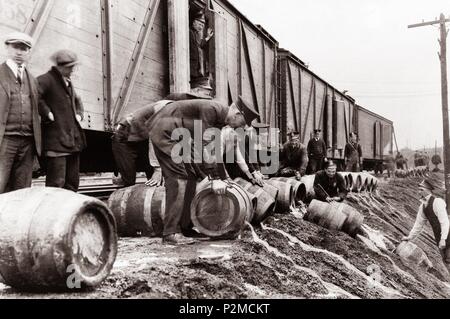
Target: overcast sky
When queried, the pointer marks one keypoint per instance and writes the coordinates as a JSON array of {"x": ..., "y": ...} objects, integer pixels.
[{"x": 365, "y": 47}]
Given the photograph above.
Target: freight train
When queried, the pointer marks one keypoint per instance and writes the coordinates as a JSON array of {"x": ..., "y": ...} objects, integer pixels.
[{"x": 136, "y": 52}]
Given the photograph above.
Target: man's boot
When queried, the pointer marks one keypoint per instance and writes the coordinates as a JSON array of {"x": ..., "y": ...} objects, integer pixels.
[{"x": 177, "y": 240}]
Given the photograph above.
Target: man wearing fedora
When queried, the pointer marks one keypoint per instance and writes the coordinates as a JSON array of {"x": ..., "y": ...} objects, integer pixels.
[
  {"x": 63, "y": 137},
  {"x": 180, "y": 175},
  {"x": 433, "y": 210},
  {"x": 20, "y": 127}
]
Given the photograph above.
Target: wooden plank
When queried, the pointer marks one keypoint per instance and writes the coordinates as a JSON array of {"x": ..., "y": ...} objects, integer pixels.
[
  {"x": 309, "y": 107},
  {"x": 133, "y": 68},
  {"x": 39, "y": 18},
  {"x": 107, "y": 62},
  {"x": 291, "y": 90},
  {"x": 249, "y": 68},
  {"x": 178, "y": 11},
  {"x": 220, "y": 58}
]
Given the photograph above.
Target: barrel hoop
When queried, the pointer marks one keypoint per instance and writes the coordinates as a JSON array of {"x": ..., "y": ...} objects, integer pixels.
[{"x": 148, "y": 208}]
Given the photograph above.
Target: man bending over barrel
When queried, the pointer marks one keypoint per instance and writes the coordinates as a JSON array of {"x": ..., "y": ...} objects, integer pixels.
[
  {"x": 434, "y": 210},
  {"x": 330, "y": 186},
  {"x": 180, "y": 175}
]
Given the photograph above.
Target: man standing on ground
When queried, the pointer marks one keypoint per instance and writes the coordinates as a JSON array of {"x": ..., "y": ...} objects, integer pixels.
[
  {"x": 20, "y": 127},
  {"x": 317, "y": 153},
  {"x": 434, "y": 210},
  {"x": 63, "y": 111},
  {"x": 353, "y": 155}
]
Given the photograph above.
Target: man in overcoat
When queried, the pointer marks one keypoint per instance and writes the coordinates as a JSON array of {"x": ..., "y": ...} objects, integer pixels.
[{"x": 63, "y": 135}]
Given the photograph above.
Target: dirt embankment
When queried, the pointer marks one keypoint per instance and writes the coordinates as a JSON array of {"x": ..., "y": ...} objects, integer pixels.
[{"x": 286, "y": 257}]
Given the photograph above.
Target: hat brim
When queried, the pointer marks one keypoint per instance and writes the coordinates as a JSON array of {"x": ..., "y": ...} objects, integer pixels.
[
  {"x": 68, "y": 65},
  {"x": 28, "y": 44}
]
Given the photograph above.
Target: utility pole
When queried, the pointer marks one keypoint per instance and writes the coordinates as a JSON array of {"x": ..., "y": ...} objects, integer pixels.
[{"x": 443, "y": 57}]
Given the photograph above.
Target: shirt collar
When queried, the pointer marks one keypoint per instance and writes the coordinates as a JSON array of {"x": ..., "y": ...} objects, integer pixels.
[{"x": 14, "y": 66}]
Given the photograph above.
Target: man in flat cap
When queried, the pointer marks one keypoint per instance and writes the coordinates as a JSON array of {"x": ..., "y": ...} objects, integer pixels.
[
  {"x": 433, "y": 209},
  {"x": 317, "y": 153},
  {"x": 198, "y": 45},
  {"x": 193, "y": 117},
  {"x": 293, "y": 158},
  {"x": 62, "y": 133},
  {"x": 20, "y": 127}
]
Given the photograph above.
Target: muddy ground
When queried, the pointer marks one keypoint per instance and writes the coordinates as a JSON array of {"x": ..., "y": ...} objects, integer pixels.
[{"x": 286, "y": 257}]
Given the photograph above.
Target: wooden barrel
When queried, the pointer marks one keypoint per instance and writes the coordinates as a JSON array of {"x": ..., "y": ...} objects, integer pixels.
[
  {"x": 413, "y": 254},
  {"x": 335, "y": 216},
  {"x": 265, "y": 205},
  {"x": 285, "y": 198},
  {"x": 348, "y": 180},
  {"x": 55, "y": 239},
  {"x": 139, "y": 210},
  {"x": 220, "y": 216},
  {"x": 375, "y": 184},
  {"x": 299, "y": 188},
  {"x": 356, "y": 182},
  {"x": 308, "y": 181}
]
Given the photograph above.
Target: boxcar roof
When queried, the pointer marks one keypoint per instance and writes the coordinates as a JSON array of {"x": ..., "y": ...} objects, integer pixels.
[
  {"x": 294, "y": 58},
  {"x": 257, "y": 28},
  {"x": 374, "y": 114}
]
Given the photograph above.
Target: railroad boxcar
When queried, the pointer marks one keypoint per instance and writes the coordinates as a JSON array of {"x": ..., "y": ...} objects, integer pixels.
[
  {"x": 133, "y": 53},
  {"x": 376, "y": 137},
  {"x": 307, "y": 102}
]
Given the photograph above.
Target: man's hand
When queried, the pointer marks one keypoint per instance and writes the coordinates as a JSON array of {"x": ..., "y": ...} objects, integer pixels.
[
  {"x": 329, "y": 199},
  {"x": 442, "y": 244},
  {"x": 219, "y": 187},
  {"x": 51, "y": 117},
  {"x": 156, "y": 179},
  {"x": 258, "y": 178},
  {"x": 78, "y": 117},
  {"x": 209, "y": 34}
]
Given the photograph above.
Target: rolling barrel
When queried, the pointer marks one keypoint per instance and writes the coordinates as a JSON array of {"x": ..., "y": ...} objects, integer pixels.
[
  {"x": 266, "y": 201},
  {"x": 285, "y": 198},
  {"x": 413, "y": 254},
  {"x": 139, "y": 210},
  {"x": 49, "y": 235},
  {"x": 299, "y": 187},
  {"x": 335, "y": 216},
  {"x": 221, "y": 216}
]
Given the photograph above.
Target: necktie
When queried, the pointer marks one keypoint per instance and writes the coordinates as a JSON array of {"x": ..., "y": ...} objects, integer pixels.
[{"x": 19, "y": 74}]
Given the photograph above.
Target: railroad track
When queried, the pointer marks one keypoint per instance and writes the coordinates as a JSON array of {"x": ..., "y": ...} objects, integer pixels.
[{"x": 98, "y": 187}]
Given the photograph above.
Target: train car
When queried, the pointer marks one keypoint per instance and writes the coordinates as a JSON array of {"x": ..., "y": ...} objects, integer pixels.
[
  {"x": 308, "y": 102},
  {"x": 133, "y": 53},
  {"x": 376, "y": 137}
]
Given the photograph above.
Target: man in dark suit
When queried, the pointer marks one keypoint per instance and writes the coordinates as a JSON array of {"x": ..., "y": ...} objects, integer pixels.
[
  {"x": 317, "y": 153},
  {"x": 63, "y": 136},
  {"x": 20, "y": 127},
  {"x": 353, "y": 154}
]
